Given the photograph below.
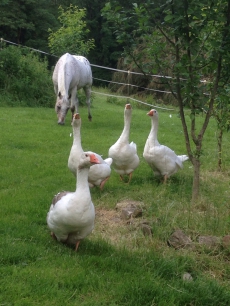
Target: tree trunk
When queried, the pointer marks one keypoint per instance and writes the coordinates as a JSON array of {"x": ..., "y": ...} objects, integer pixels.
[
  {"x": 219, "y": 141},
  {"x": 196, "y": 180}
]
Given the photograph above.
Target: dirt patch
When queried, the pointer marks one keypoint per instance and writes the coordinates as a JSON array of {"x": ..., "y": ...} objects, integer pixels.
[{"x": 111, "y": 225}]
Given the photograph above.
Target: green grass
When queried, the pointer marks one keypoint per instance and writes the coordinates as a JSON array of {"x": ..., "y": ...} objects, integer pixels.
[{"x": 132, "y": 269}]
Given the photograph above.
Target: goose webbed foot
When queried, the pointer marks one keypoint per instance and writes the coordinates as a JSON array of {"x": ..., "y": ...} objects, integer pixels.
[{"x": 103, "y": 183}]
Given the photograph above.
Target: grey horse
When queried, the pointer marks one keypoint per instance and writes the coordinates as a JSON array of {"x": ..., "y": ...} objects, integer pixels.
[{"x": 71, "y": 73}]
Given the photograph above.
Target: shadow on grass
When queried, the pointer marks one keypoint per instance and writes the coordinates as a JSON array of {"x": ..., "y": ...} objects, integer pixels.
[{"x": 141, "y": 278}]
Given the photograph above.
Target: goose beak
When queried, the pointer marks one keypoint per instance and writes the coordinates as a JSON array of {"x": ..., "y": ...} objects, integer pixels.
[
  {"x": 94, "y": 159},
  {"x": 76, "y": 116},
  {"x": 150, "y": 113}
]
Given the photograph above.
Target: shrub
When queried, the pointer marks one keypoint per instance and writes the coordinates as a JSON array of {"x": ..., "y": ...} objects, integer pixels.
[{"x": 25, "y": 78}]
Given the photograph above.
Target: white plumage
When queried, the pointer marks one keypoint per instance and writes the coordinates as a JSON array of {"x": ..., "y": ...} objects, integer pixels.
[
  {"x": 123, "y": 153},
  {"x": 98, "y": 174},
  {"x": 160, "y": 158},
  {"x": 72, "y": 214}
]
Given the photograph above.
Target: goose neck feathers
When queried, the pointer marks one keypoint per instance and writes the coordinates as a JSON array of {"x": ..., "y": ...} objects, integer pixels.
[
  {"x": 153, "y": 114},
  {"x": 127, "y": 121},
  {"x": 76, "y": 124},
  {"x": 86, "y": 161}
]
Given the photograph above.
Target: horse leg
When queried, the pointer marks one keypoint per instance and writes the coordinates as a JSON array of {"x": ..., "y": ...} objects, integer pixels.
[
  {"x": 72, "y": 108},
  {"x": 88, "y": 94},
  {"x": 74, "y": 101}
]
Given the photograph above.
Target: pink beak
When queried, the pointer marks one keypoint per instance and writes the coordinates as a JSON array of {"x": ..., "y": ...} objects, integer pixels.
[{"x": 94, "y": 159}]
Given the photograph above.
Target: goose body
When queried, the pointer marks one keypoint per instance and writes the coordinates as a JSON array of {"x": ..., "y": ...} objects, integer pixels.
[
  {"x": 71, "y": 215},
  {"x": 161, "y": 159},
  {"x": 123, "y": 153},
  {"x": 98, "y": 174}
]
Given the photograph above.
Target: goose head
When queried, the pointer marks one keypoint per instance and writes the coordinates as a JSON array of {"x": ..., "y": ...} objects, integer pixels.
[
  {"x": 76, "y": 120},
  {"x": 153, "y": 113},
  {"x": 88, "y": 159}
]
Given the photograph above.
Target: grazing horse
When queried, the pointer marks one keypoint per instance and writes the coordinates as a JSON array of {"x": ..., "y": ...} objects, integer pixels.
[{"x": 71, "y": 73}]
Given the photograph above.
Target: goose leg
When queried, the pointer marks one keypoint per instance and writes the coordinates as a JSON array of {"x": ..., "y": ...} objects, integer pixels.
[
  {"x": 130, "y": 177},
  {"x": 77, "y": 244},
  {"x": 53, "y": 235},
  {"x": 103, "y": 182},
  {"x": 165, "y": 178}
]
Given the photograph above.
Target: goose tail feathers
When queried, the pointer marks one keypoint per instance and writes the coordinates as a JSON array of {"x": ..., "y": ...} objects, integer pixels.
[{"x": 183, "y": 157}]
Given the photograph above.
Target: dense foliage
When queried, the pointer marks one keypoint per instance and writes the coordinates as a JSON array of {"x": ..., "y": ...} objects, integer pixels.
[
  {"x": 71, "y": 36},
  {"x": 24, "y": 78},
  {"x": 28, "y": 22}
]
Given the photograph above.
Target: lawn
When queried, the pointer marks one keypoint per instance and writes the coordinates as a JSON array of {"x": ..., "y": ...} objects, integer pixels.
[{"x": 116, "y": 264}]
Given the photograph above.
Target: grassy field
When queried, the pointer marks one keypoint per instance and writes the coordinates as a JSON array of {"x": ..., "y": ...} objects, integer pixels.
[{"x": 116, "y": 264}]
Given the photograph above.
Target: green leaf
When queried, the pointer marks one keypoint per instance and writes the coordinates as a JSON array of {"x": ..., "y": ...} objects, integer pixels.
[{"x": 168, "y": 18}]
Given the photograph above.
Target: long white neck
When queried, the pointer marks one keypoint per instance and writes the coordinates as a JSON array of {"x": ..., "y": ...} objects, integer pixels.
[
  {"x": 77, "y": 135},
  {"x": 82, "y": 180},
  {"x": 127, "y": 121},
  {"x": 153, "y": 132},
  {"x": 76, "y": 149}
]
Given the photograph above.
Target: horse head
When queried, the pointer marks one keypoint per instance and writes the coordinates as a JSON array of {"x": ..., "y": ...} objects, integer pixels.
[{"x": 61, "y": 107}]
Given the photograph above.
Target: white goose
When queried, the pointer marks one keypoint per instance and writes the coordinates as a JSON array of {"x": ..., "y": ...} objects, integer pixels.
[
  {"x": 98, "y": 174},
  {"x": 160, "y": 158},
  {"x": 72, "y": 214},
  {"x": 123, "y": 153}
]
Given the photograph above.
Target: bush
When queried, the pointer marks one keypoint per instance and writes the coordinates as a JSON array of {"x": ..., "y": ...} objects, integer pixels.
[{"x": 25, "y": 78}]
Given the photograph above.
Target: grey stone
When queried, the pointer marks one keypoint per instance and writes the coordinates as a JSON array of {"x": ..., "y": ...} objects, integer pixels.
[
  {"x": 179, "y": 240},
  {"x": 209, "y": 241},
  {"x": 130, "y": 209},
  {"x": 226, "y": 242},
  {"x": 187, "y": 277},
  {"x": 146, "y": 229}
]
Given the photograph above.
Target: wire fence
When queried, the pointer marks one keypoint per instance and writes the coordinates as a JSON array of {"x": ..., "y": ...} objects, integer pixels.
[{"x": 113, "y": 82}]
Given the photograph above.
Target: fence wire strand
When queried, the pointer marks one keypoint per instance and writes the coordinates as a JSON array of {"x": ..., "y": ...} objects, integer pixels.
[{"x": 117, "y": 70}]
